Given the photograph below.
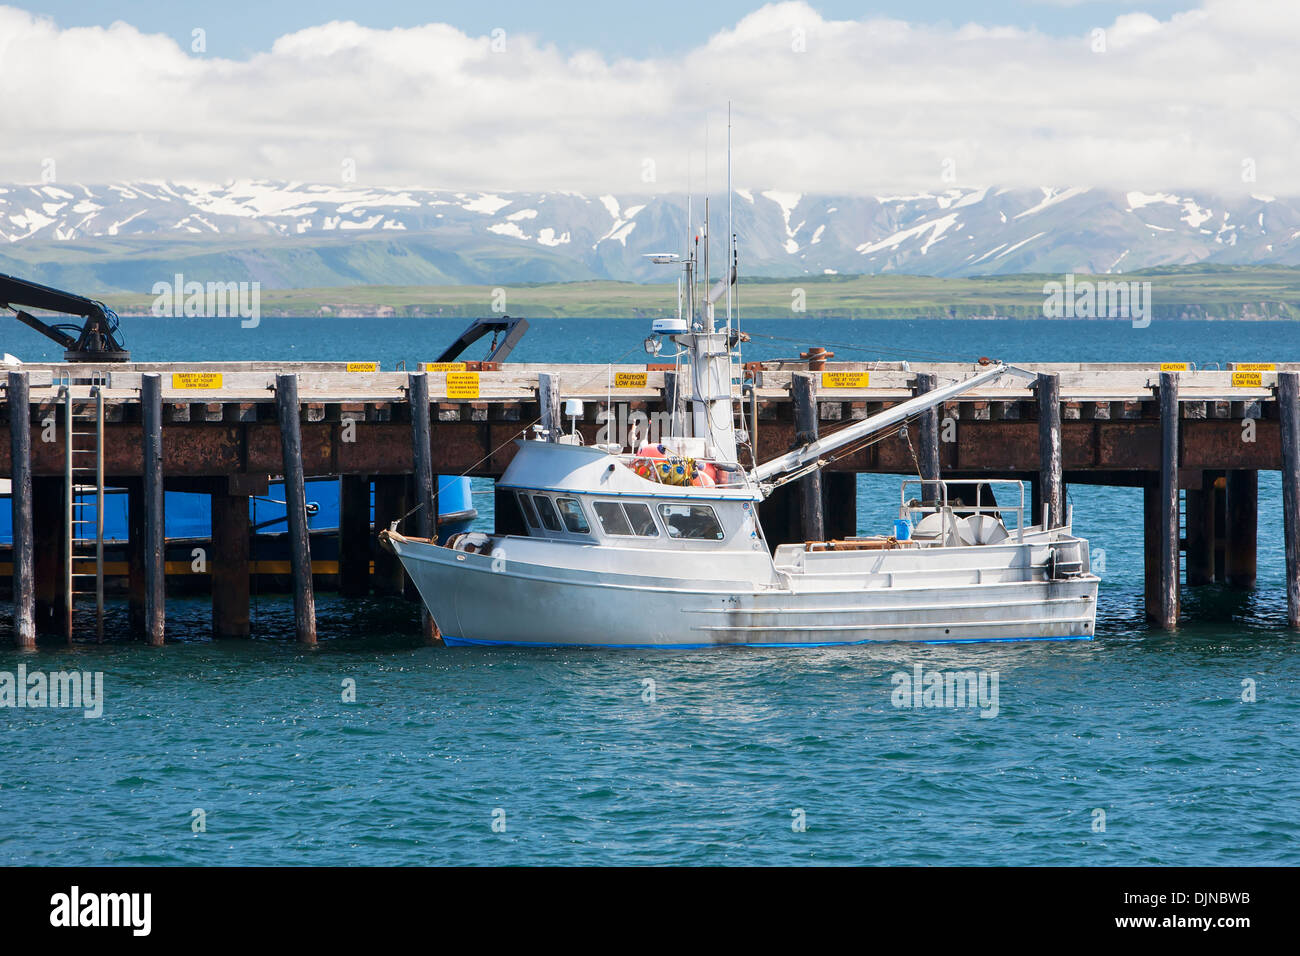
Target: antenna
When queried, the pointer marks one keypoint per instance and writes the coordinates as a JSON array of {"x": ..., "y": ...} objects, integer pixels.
[
  {"x": 708, "y": 231},
  {"x": 708, "y": 299},
  {"x": 690, "y": 232},
  {"x": 690, "y": 218},
  {"x": 731, "y": 235}
]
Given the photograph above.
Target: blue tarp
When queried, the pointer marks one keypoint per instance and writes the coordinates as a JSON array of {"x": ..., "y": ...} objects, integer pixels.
[{"x": 189, "y": 515}]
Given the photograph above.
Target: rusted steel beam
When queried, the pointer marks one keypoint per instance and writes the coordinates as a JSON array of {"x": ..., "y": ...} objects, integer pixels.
[
  {"x": 49, "y": 541},
  {"x": 354, "y": 535},
  {"x": 390, "y": 506},
  {"x": 484, "y": 448},
  {"x": 1151, "y": 550},
  {"x": 135, "y": 546},
  {"x": 1242, "y": 521},
  {"x": 841, "y": 505},
  {"x": 1200, "y": 539},
  {"x": 229, "y": 563},
  {"x": 1245, "y": 443}
]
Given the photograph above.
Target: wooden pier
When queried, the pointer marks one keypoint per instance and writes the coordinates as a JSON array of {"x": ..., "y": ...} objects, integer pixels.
[{"x": 1193, "y": 440}]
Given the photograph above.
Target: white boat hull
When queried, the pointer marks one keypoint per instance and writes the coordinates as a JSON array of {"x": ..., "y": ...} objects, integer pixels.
[{"x": 961, "y": 594}]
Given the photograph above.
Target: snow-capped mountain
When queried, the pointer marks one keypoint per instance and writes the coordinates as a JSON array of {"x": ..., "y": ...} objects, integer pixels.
[{"x": 300, "y": 235}]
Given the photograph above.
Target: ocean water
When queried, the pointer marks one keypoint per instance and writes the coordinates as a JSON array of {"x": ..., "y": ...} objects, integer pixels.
[{"x": 475, "y": 756}]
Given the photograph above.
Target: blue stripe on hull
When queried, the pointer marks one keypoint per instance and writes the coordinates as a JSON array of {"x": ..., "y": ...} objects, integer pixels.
[{"x": 472, "y": 642}]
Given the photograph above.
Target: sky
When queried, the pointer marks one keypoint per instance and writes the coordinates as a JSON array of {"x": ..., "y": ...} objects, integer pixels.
[
  {"x": 240, "y": 28},
  {"x": 889, "y": 97}
]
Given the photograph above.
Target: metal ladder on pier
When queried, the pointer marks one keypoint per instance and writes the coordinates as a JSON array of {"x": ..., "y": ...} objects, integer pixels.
[{"x": 83, "y": 473}]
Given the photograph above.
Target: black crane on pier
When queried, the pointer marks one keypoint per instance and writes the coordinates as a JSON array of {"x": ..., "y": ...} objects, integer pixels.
[{"x": 95, "y": 340}]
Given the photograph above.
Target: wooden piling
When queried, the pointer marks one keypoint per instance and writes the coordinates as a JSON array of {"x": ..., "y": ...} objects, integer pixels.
[
  {"x": 1168, "y": 523},
  {"x": 549, "y": 408},
  {"x": 1052, "y": 487},
  {"x": 295, "y": 496},
  {"x": 155, "y": 557},
  {"x": 929, "y": 429},
  {"x": 229, "y": 563},
  {"x": 354, "y": 535},
  {"x": 421, "y": 454},
  {"x": 18, "y": 397},
  {"x": 1241, "y": 524},
  {"x": 425, "y": 482},
  {"x": 1288, "y": 401},
  {"x": 803, "y": 391}
]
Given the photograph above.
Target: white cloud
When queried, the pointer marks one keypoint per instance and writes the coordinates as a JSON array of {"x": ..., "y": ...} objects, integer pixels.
[{"x": 869, "y": 106}]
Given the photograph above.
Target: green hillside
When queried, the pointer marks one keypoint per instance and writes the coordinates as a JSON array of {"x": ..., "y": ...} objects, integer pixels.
[{"x": 1198, "y": 292}]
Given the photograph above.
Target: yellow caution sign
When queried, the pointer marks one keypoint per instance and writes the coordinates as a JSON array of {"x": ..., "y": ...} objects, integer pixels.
[
  {"x": 631, "y": 379},
  {"x": 845, "y": 379},
  {"x": 196, "y": 380},
  {"x": 445, "y": 366},
  {"x": 1255, "y": 367},
  {"x": 363, "y": 366},
  {"x": 1247, "y": 380},
  {"x": 462, "y": 384},
  {"x": 1174, "y": 367}
]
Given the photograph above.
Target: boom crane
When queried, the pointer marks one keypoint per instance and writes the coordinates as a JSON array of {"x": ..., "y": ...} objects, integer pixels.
[
  {"x": 95, "y": 340},
  {"x": 809, "y": 454}
]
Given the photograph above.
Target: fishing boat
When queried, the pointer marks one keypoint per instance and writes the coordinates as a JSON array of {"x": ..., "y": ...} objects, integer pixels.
[{"x": 659, "y": 543}]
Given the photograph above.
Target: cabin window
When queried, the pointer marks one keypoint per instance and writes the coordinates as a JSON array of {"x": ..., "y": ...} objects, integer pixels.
[
  {"x": 643, "y": 522},
  {"x": 546, "y": 510},
  {"x": 611, "y": 517},
  {"x": 691, "y": 521},
  {"x": 574, "y": 519},
  {"x": 530, "y": 515}
]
